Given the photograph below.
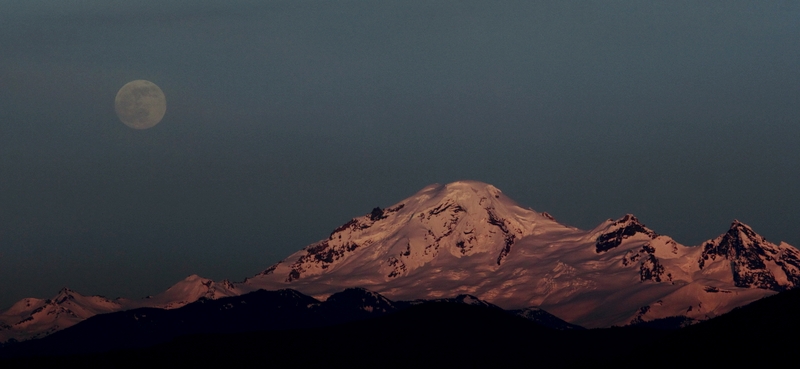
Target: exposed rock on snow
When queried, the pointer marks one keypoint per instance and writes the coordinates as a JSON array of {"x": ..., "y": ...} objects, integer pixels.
[{"x": 467, "y": 238}]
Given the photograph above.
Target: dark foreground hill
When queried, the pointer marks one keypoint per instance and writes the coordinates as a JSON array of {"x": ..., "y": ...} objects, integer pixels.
[
  {"x": 451, "y": 334},
  {"x": 282, "y": 310},
  {"x": 468, "y": 236},
  {"x": 430, "y": 334},
  {"x": 763, "y": 332}
]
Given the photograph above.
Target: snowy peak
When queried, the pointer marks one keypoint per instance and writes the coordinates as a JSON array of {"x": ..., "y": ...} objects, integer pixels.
[
  {"x": 468, "y": 239},
  {"x": 753, "y": 261},
  {"x": 468, "y": 218},
  {"x": 33, "y": 318},
  {"x": 70, "y": 302},
  {"x": 612, "y": 233},
  {"x": 743, "y": 232},
  {"x": 460, "y": 219},
  {"x": 189, "y": 290},
  {"x": 64, "y": 295}
]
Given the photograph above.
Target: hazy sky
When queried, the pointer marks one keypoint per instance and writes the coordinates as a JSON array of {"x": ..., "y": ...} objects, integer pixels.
[{"x": 287, "y": 118}]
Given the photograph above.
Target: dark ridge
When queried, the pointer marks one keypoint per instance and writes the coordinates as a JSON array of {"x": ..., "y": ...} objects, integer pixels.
[
  {"x": 433, "y": 334},
  {"x": 763, "y": 333},
  {"x": 257, "y": 311},
  {"x": 668, "y": 323},
  {"x": 546, "y": 319},
  {"x": 443, "y": 333},
  {"x": 355, "y": 304}
]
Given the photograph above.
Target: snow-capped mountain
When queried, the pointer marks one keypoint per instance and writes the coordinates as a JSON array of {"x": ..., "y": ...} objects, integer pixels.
[
  {"x": 186, "y": 291},
  {"x": 464, "y": 230},
  {"x": 748, "y": 260},
  {"x": 276, "y": 311},
  {"x": 468, "y": 238},
  {"x": 34, "y": 318}
]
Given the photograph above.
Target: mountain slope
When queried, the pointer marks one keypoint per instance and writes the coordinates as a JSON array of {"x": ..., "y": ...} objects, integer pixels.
[
  {"x": 460, "y": 334},
  {"x": 261, "y": 310},
  {"x": 34, "y": 318},
  {"x": 461, "y": 232},
  {"x": 468, "y": 238}
]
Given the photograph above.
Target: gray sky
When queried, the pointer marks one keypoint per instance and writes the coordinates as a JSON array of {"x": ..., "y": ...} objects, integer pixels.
[{"x": 287, "y": 118}]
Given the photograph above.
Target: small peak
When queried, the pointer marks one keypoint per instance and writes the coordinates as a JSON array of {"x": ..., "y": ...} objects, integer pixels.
[
  {"x": 736, "y": 224},
  {"x": 357, "y": 295},
  {"x": 628, "y": 218},
  {"x": 63, "y": 295},
  {"x": 741, "y": 230},
  {"x": 193, "y": 277},
  {"x": 66, "y": 292},
  {"x": 376, "y": 214},
  {"x": 290, "y": 292},
  {"x": 612, "y": 235}
]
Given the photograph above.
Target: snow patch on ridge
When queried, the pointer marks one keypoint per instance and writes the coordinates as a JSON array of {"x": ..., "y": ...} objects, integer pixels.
[{"x": 35, "y": 318}]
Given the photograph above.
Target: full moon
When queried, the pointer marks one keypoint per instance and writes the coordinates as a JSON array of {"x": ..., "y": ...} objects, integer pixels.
[{"x": 140, "y": 104}]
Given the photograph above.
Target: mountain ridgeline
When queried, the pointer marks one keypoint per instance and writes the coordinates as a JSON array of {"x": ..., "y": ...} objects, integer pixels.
[
  {"x": 359, "y": 328},
  {"x": 468, "y": 238},
  {"x": 252, "y": 312}
]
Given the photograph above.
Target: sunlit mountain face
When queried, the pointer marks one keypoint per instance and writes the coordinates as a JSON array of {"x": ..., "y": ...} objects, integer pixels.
[{"x": 468, "y": 238}]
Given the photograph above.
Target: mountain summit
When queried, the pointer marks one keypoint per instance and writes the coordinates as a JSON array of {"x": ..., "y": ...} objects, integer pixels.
[
  {"x": 35, "y": 318},
  {"x": 468, "y": 238},
  {"x": 750, "y": 261},
  {"x": 439, "y": 225}
]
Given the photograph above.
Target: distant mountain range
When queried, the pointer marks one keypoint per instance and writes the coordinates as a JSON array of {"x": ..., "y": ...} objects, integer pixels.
[
  {"x": 468, "y": 238},
  {"x": 359, "y": 328},
  {"x": 255, "y": 311}
]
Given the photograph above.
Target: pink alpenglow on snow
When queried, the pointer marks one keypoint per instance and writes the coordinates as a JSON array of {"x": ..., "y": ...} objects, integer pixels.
[
  {"x": 467, "y": 237},
  {"x": 35, "y": 318}
]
